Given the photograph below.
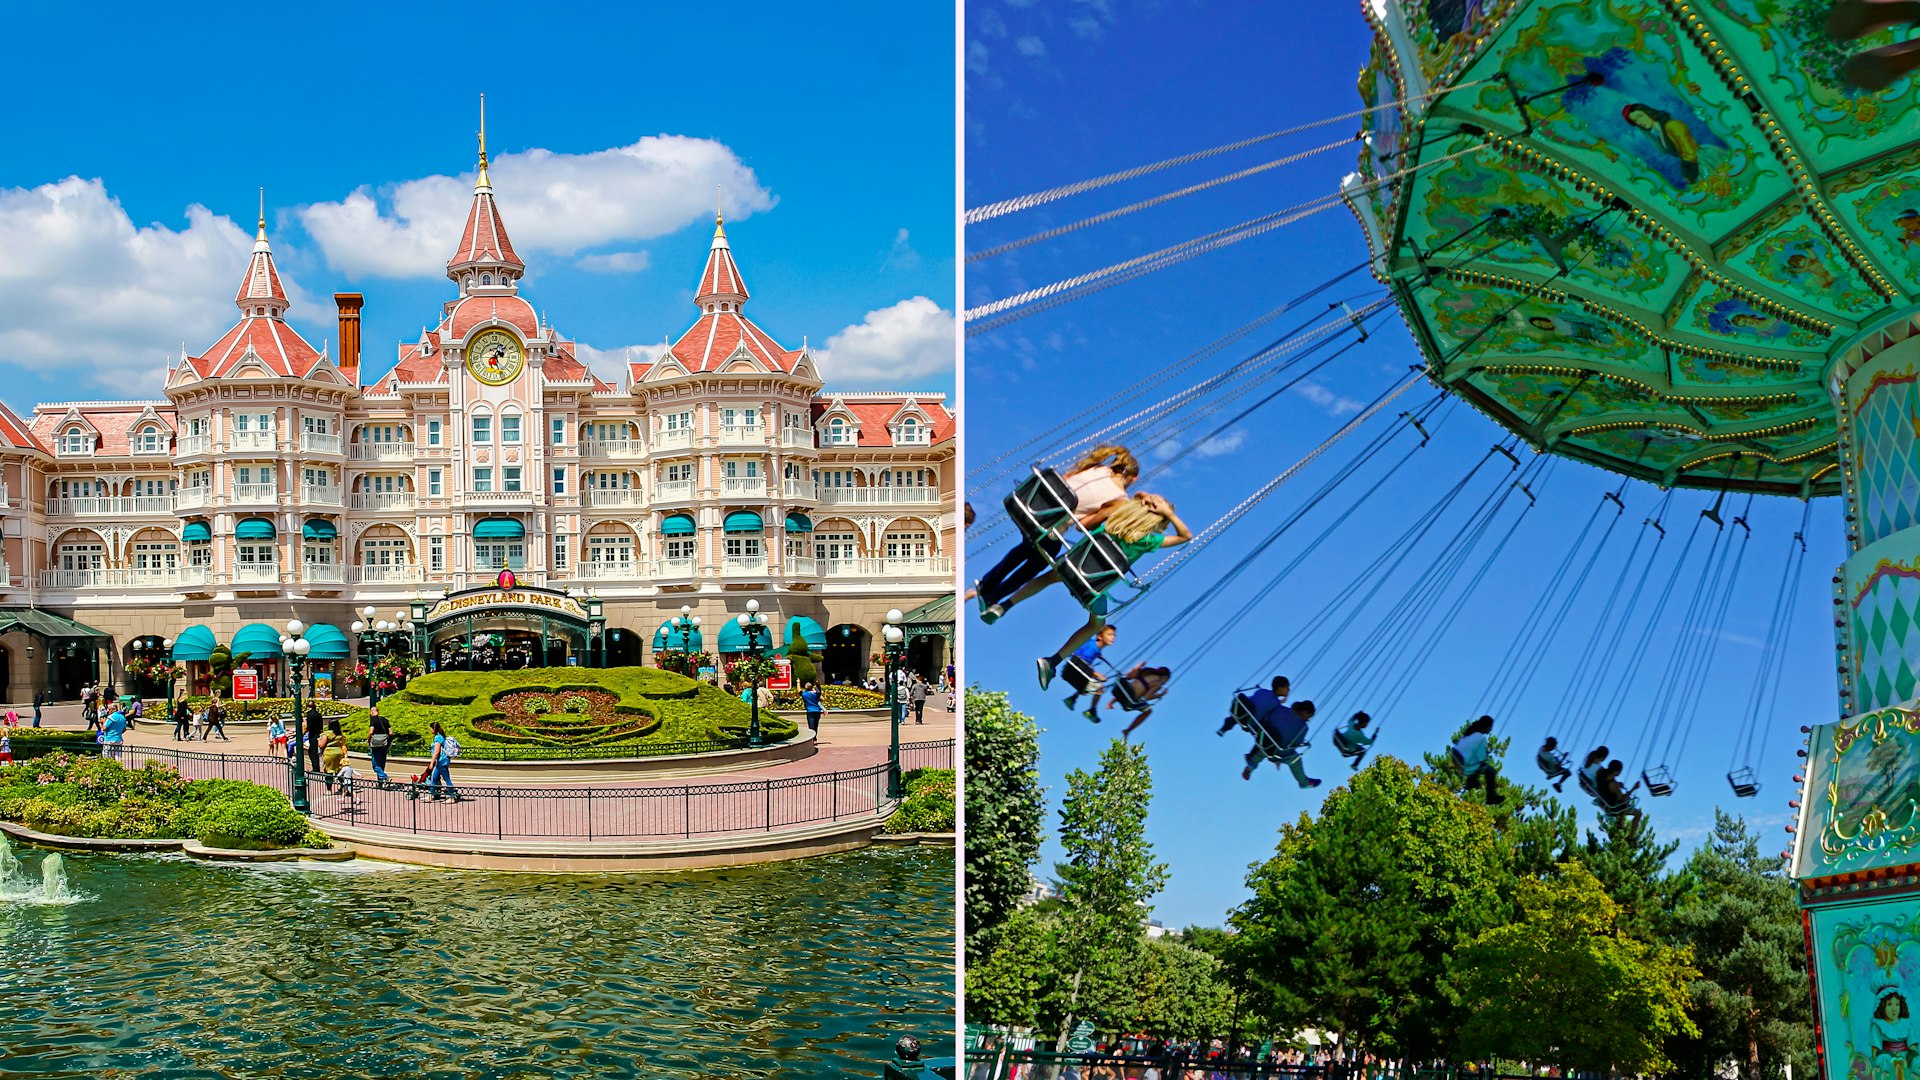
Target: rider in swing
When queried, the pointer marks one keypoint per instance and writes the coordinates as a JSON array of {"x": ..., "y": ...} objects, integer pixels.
[{"x": 1473, "y": 754}]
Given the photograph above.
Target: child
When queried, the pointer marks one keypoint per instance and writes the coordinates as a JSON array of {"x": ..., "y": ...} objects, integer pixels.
[
  {"x": 1473, "y": 754},
  {"x": 1352, "y": 739},
  {"x": 1282, "y": 732},
  {"x": 1552, "y": 762},
  {"x": 1261, "y": 701},
  {"x": 1082, "y": 675},
  {"x": 1145, "y": 685},
  {"x": 6, "y": 748},
  {"x": 347, "y": 777}
]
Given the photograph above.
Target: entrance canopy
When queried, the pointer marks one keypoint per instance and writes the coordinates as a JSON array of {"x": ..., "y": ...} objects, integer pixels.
[
  {"x": 807, "y": 630},
  {"x": 734, "y": 640},
  {"x": 194, "y": 643},
  {"x": 499, "y": 529},
  {"x": 326, "y": 642},
  {"x": 258, "y": 640},
  {"x": 46, "y": 624}
]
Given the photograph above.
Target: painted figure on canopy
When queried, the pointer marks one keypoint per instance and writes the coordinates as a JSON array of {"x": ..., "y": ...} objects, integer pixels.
[{"x": 1632, "y": 105}]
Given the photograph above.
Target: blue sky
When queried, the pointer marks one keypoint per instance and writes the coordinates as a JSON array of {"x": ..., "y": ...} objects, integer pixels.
[
  {"x": 128, "y": 204},
  {"x": 1059, "y": 93}
]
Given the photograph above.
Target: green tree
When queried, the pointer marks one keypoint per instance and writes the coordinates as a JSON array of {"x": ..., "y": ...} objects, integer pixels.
[
  {"x": 1564, "y": 984},
  {"x": 1104, "y": 882},
  {"x": 1743, "y": 923},
  {"x": 1352, "y": 919},
  {"x": 1004, "y": 808},
  {"x": 1541, "y": 831},
  {"x": 1017, "y": 980},
  {"x": 799, "y": 658},
  {"x": 1182, "y": 989},
  {"x": 1632, "y": 865}
]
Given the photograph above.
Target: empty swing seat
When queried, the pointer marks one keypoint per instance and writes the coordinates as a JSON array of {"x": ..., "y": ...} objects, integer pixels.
[
  {"x": 1093, "y": 566},
  {"x": 1658, "y": 780},
  {"x": 1745, "y": 784},
  {"x": 1043, "y": 504}
]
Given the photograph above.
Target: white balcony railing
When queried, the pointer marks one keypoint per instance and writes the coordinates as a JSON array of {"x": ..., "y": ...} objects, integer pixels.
[
  {"x": 313, "y": 495},
  {"x": 672, "y": 490},
  {"x": 154, "y": 578},
  {"x": 797, "y": 490},
  {"x": 403, "y": 573},
  {"x": 801, "y": 566},
  {"x": 315, "y": 442},
  {"x": 192, "y": 498},
  {"x": 380, "y": 451},
  {"x": 743, "y": 435},
  {"x": 879, "y": 496},
  {"x": 257, "y": 574},
  {"x": 382, "y": 500},
  {"x": 322, "y": 574},
  {"x": 196, "y": 444},
  {"x": 883, "y": 569},
  {"x": 6, "y": 497},
  {"x": 800, "y": 437},
  {"x": 743, "y": 566},
  {"x": 150, "y": 504},
  {"x": 678, "y": 439},
  {"x": 93, "y": 506},
  {"x": 612, "y": 448},
  {"x": 256, "y": 493},
  {"x": 743, "y": 487},
  {"x": 673, "y": 569},
  {"x": 613, "y": 497},
  {"x": 250, "y": 440},
  {"x": 498, "y": 498},
  {"x": 605, "y": 570}
]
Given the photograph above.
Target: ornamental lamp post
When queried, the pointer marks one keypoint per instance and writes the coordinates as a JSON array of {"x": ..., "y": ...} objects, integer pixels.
[
  {"x": 753, "y": 626},
  {"x": 596, "y": 627},
  {"x": 688, "y": 622},
  {"x": 896, "y": 649},
  {"x": 167, "y": 645},
  {"x": 295, "y": 647}
]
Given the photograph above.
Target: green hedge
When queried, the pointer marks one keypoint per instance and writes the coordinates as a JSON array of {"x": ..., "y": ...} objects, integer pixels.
[
  {"x": 927, "y": 804},
  {"x": 684, "y": 710},
  {"x": 262, "y": 709},
  {"x": 89, "y": 795}
]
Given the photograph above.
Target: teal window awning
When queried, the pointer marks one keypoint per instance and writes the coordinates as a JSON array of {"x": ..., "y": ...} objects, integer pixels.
[
  {"x": 669, "y": 638},
  {"x": 196, "y": 532},
  {"x": 799, "y": 523},
  {"x": 326, "y": 642},
  {"x": 194, "y": 643},
  {"x": 319, "y": 529},
  {"x": 807, "y": 630},
  {"x": 255, "y": 528},
  {"x": 745, "y": 521},
  {"x": 677, "y": 525},
  {"x": 257, "y": 640},
  {"x": 734, "y": 639},
  {"x": 500, "y": 529}
]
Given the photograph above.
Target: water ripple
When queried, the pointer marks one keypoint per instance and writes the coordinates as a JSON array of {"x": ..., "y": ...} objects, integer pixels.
[{"x": 177, "y": 969}]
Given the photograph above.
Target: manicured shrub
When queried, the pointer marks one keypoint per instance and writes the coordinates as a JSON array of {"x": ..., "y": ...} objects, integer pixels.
[
  {"x": 833, "y": 697},
  {"x": 927, "y": 803},
  {"x": 88, "y": 795}
]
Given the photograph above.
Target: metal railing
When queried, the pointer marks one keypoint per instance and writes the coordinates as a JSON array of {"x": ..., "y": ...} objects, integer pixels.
[
  {"x": 381, "y": 500},
  {"x": 319, "y": 443},
  {"x": 879, "y": 496},
  {"x": 743, "y": 487},
  {"x": 929, "y": 754}
]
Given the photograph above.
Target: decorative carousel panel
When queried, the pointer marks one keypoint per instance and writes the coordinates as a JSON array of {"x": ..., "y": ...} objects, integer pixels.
[
  {"x": 1881, "y": 200},
  {"x": 1886, "y": 440},
  {"x": 1640, "y": 107},
  {"x": 1866, "y": 968},
  {"x": 1447, "y": 34},
  {"x": 1786, "y": 252},
  {"x": 1383, "y": 130},
  {"x": 1862, "y": 794},
  {"x": 1507, "y": 324},
  {"x": 1730, "y": 320},
  {"x": 1886, "y": 629}
]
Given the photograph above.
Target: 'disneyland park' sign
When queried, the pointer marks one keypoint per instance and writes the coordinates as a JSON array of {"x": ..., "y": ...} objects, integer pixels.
[{"x": 481, "y": 600}]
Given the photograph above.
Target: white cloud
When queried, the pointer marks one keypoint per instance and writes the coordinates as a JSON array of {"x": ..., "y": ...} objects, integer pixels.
[
  {"x": 85, "y": 290},
  {"x": 616, "y": 262},
  {"x": 611, "y": 364},
  {"x": 551, "y": 204},
  {"x": 1030, "y": 46},
  {"x": 901, "y": 255},
  {"x": 1334, "y": 404},
  {"x": 891, "y": 347},
  {"x": 1222, "y": 444}
]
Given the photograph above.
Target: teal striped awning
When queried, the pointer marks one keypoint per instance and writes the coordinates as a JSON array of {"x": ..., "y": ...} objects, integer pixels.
[
  {"x": 808, "y": 631},
  {"x": 196, "y": 532},
  {"x": 319, "y": 529},
  {"x": 326, "y": 642},
  {"x": 733, "y": 639},
  {"x": 745, "y": 521},
  {"x": 257, "y": 640},
  {"x": 254, "y": 528},
  {"x": 499, "y": 529},
  {"x": 799, "y": 523},
  {"x": 194, "y": 643},
  {"x": 668, "y": 638},
  {"x": 677, "y": 525}
]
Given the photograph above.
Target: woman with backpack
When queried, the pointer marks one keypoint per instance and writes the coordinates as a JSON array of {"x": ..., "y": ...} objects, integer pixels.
[{"x": 445, "y": 749}]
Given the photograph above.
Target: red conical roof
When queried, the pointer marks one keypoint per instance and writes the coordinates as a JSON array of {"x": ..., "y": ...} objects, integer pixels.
[
  {"x": 722, "y": 277},
  {"x": 262, "y": 283},
  {"x": 484, "y": 243}
]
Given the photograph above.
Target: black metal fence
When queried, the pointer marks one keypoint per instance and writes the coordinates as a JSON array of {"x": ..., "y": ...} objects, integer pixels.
[{"x": 933, "y": 754}]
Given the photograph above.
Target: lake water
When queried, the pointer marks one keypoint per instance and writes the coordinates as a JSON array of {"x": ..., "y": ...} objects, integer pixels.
[{"x": 165, "y": 967}]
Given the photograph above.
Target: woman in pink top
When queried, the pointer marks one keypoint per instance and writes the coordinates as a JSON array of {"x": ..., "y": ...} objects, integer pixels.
[{"x": 1099, "y": 481}]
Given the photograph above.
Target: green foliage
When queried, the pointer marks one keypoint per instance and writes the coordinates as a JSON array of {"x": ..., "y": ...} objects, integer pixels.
[
  {"x": 1018, "y": 981},
  {"x": 834, "y": 698},
  {"x": 220, "y": 664},
  {"x": 90, "y": 795},
  {"x": 1750, "y": 1001},
  {"x": 1820, "y": 56},
  {"x": 574, "y": 703},
  {"x": 1181, "y": 988},
  {"x": 1579, "y": 241},
  {"x": 539, "y": 705},
  {"x": 1530, "y": 988},
  {"x": 805, "y": 665},
  {"x": 1352, "y": 919},
  {"x": 685, "y": 710},
  {"x": 266, "y": 708},
  {"x": 1004, "y": 813},
  {"x": 1632, "y": 866},
  {"x": 927, "y": 804}
]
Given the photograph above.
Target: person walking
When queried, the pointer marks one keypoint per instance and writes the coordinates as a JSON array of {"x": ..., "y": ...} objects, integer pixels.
[
  {"x": 277, "y": 736},
  {"x": 216, "y": 722},
  {"x": 113, "y": 733},
  {"x": 918, "y": 696},
  {"x": 445, "y": 749},
  {"x": 810, "y": 700},
  {"x": 379, "y": 737},
  {"x": 314, "y": 730},
  {"x": 182, "y": 716},
  {"x": 87, "y": 707},
  {"x": 36, "y": 708},
  {"x": 333, "y": 750}
]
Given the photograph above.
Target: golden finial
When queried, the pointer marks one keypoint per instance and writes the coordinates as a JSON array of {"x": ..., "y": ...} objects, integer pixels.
[
  {"x": 719, "y": 218},
  {"x": 483, "y": 181},
  {"x": 263, "y": 211}
]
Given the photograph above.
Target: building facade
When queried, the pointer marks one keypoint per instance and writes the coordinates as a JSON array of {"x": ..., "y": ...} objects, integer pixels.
[{"x": 272, "y": 483}]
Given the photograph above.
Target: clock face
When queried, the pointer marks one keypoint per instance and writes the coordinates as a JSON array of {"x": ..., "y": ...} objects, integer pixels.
[{"x": 495, "y": 357}]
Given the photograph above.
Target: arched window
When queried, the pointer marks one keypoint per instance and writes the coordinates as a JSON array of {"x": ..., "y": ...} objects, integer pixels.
[
  {"x": 482, "y": 428},
  {"x": 486, "y": 279},
  {"x": 149, "y": 441},
  {"x": 75, "y": 440},
  {"x": 910, "y": 431},
  {"x": 838, "y": 434}
]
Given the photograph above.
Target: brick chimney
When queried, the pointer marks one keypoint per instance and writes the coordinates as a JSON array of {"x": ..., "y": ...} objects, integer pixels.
[{"x": 349, "y": 304}]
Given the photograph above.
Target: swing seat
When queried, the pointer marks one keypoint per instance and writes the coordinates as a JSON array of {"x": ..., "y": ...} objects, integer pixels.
[
  {"x": 1042, "y": 505},
  {"x": 1079, "y": 674},
  {"x": 1745, "y": 784},
  {"x": 1587, "y": 785},
  {"x": 1093, "y": 567},
  {"x": 1343, "y": 746},
  {"x": 1659, "y": 781},
  {"x": 1614, "y": 810},
  {"x": 1554, "y": 765},
  {"x": 1125, "y": 696},
  {"x": 1286, "y": 737}
]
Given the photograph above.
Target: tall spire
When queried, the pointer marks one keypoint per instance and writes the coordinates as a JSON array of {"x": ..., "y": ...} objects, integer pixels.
[
  {"x": 720, "y": 283},
  {"x": 261, "y": 292},
  {"x": 484, "y": 248}
]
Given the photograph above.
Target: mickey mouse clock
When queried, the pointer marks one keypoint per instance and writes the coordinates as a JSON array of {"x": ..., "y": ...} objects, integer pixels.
[{"x": 495, "y": 357}]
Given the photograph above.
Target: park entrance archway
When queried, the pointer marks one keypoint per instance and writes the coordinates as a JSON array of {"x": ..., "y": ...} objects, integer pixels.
[{"x": 495, "y": 628}]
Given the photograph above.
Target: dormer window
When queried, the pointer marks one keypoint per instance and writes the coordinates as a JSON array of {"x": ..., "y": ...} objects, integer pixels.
[
  {"x": 910, "y": 433},
  {"x": 75, "y": 440},
  {"x": 149, "y": 440},
  {"x": 839, "y": 432}
]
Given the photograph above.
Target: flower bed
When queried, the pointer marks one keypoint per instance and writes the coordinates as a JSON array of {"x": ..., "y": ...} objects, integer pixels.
[
  {"x": 927, "y": 804},
  {"x": 564, "y": 717},
  {"x": 266, "y": 708},
  {"x": 93, "y": 796},
  {"x": 834, "y": 697}
]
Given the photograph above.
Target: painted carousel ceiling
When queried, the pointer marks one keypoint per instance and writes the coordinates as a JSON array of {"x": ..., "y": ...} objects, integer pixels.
[{"x": 1637, "y": 232}]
